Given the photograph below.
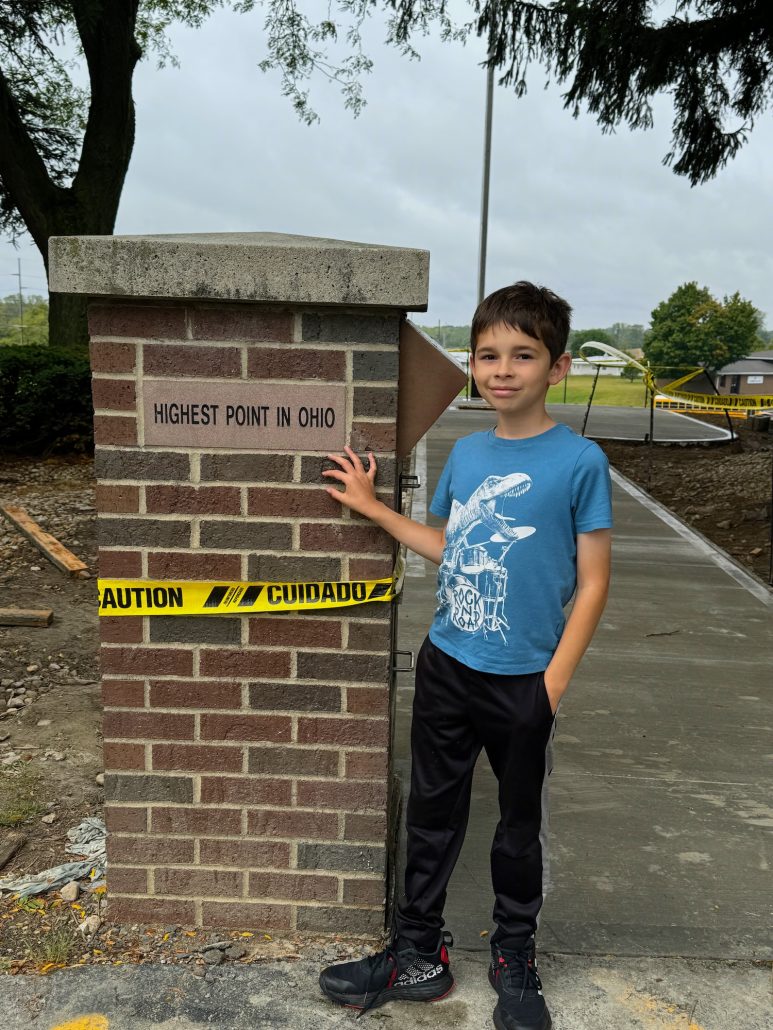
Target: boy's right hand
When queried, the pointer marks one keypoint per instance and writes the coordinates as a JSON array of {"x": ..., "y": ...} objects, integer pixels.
[{"x": 359, "y": 491}]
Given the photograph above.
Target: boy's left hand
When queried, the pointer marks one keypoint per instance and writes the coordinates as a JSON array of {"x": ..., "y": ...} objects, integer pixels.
[{"x": 555, "y": 689}]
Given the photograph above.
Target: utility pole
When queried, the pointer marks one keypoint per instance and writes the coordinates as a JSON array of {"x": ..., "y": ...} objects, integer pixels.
[
  {"x": 21, "y": 300},
  {"x": 484, "y": 196}
]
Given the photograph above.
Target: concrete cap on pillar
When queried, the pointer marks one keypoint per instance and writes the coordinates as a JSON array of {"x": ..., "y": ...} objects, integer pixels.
[{"x": 262, "y": 266}]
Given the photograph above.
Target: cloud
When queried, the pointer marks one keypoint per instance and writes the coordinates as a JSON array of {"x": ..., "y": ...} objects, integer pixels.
[{"x": 598, "y": 218}]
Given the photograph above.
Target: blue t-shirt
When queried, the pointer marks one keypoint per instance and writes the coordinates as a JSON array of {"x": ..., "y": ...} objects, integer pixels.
[{"x": 514, "y": 510}]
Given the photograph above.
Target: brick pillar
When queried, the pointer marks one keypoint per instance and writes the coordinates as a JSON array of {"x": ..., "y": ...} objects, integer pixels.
[{"x": 246, "y": 757}]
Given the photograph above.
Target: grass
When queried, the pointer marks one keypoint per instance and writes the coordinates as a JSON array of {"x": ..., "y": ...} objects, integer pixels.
[
  {"x": 609, "y": 390},
  {"x": 19, "y": 785},
  {"x": 56, "y": 946}
]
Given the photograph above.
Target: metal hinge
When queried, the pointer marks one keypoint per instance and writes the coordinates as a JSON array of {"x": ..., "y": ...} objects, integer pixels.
[
  {"x": 403, "y": 654},
  {"x": 410, "y": 482}
]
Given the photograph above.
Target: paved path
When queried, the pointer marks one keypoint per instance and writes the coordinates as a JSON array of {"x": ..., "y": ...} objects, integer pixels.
[
  {"x": 607, "y": 422},
  {"x": 661, "y": 795}
]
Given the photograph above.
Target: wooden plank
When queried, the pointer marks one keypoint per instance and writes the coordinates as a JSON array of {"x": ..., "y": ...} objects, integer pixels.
[
  {"x": 10, "y": 843},
  {"x": 26, "y": 616},
  {"x": 48, "y": 545}
]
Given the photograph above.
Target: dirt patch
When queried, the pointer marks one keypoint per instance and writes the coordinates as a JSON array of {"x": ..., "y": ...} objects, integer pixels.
[
  {"x": 724, "y": 490},
  {"x": 52, "y": 675}
]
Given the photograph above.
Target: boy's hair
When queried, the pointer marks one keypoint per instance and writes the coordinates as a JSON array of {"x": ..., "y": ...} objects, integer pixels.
[{"x": 534, "y": 310}]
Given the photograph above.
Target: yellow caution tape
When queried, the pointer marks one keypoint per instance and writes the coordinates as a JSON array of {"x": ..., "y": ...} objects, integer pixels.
[
  {"x": 609, "y": 355},
  {"x": 720, "y": 402},
  {"x": 147, "y": 597}
]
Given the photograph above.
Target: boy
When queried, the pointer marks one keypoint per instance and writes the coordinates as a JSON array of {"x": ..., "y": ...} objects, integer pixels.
[{"x": 528, "y": 520}]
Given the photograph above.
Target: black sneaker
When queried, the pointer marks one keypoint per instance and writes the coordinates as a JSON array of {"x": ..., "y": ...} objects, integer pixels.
[
  {"x": 514, "y": 977},
  {"x": 399, "y": 973}
]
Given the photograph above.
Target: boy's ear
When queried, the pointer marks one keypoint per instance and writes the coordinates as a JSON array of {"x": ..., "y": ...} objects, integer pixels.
[{"x": 560, "y": 369}]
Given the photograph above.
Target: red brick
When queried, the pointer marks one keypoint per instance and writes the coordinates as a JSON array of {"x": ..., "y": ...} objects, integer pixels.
[
  {"x": 198, "y": 882},
  {"x": 191, "y": 500},
  {"x": 187, "y": 360},
  {"x": 119, "y": 564},
  {"x": 364, "y": 892},
  {"x": 246, "y": 790},
  {"x": 365, "y": 827},
  {"x": 370, "y": 568},
  {"x": 369, "y": 636},
  {"x": 367, "y": 765},
  {"x": 338, "y": 919},
  {"x": 143, "y": 661},
  {"x": 126, "y": 880},
  {"x": 292, "y": 503},
  {"x": 293, "y": 886},
  {"x": 289, "y": 632},
  {"x": 125, "y": 820},
  {"x": 374, "y": 436},
  {"x": 124, "y": 630},
  {"x": 117, "y": 498},
  {"x": 273, "y": 728},
  {"x": 197, "y": 758},
  {"x": 239, "y": 915},
  {"x": 112, "y": 357},
  {"x": 377, "y": 401},
  {"x": 241, "y": 663},
  {"x": 139, "y": 320},
  {"x": 151, "y": 911},
  {"x": 193, "y": 565},
  {"x": 246, "y": 853},
  {"x": 241, "y": 322},
  {"x": 293, "y": 761},
  {"x": 123, "y": 756},
  {"x": 367, "y": 701},
  {"x": 302, "y": 825},
  {"x": 147, "y": 726},
  {"x": 123, "y": 693},
  {"x": 207, "y": 821},
  {"x": 295, "y": 697},
  {"x": 315, "y": 730},
  {"x": 148, "y": 850},
  {"x": 194, "y": 694},
  {"x": 341, "y": 794},
  {"x": 115, "y": 431},
  {"x": 332, "y": 537},
  {"x": 296, "y": 363},
  {"x": 114, "y": 394}
]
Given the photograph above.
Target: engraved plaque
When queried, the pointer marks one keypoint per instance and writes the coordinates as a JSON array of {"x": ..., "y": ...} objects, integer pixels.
[{"x": 244, "y": 416}]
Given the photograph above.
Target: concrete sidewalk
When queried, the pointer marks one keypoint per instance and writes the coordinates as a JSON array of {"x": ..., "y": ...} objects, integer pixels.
[{"x": 660, "y": 914}]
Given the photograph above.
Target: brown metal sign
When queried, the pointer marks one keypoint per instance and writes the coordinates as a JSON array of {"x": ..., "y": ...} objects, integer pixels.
[{"x": 244, "y": 416}]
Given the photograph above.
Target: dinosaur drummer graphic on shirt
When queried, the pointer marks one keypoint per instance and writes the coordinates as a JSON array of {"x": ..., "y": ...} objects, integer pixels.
[{"x": 472, "y": 580}]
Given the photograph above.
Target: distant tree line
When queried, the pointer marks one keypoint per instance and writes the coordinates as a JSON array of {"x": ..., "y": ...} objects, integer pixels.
[
  {"x": 691, "y": 328},
  {"x": 627, "y": 337},
  {"x": 25, "y": 323}
]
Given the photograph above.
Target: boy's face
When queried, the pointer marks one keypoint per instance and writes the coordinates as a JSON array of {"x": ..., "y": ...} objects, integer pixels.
[{"x": 513, "y": 371}]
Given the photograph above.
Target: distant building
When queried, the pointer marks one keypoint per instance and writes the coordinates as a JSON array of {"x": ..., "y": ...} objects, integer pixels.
[{"x": 750, "y": 375}]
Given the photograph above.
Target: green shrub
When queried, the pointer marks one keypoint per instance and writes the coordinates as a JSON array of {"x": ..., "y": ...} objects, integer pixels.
[{"x": 45, "y": 401}]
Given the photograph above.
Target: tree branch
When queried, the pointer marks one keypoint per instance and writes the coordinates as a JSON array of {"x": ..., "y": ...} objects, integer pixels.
[{"x": 23, "y": 171}]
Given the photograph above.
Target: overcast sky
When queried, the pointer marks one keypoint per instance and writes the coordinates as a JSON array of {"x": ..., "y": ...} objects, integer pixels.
[{"x": 597, "y": 218}]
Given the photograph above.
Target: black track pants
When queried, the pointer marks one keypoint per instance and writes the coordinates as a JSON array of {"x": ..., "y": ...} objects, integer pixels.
[{"x": 456, "y": 712}]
